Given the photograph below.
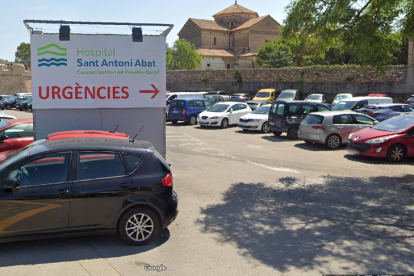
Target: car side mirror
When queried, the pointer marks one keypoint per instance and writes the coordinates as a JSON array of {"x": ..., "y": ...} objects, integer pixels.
[
  {"x": 10, "y": 183},
  {"x": 3, "y": 137},
  {"x": 375, "y": 123},
  {"x": 231, "y": 110}
]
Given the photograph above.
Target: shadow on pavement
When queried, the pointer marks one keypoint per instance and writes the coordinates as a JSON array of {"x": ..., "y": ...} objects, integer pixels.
[
  {"x": 375, "y": 161},
  {"x": 71, "y": 249},
  {"x": 297, "y": 223},
  {"x": 316, "y": 147}
]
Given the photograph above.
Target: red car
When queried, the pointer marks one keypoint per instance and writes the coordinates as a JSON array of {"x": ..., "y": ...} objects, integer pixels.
[
  {"x": 392, "y": 139},
  {"x": 15, "y": 134}
]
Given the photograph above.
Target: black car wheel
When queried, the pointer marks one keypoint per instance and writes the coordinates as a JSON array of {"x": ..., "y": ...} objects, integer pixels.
[
  {"x": 174, "y": 121},
  {"x": 396, "y": 153},
  {"x": 277, "y": 133},
  {"x": 8, "y": 107},
  {"x": 224, "y": 123},
  {"x": 265, "y": 128},
  {"x": 138, "y": 226},
  {"x": 333, "y": 141},
  {"x": 21, "y": 109},
  {"x": 24, "y": 108},
  {"x": 192, "y": 120},
  {"x": 292, "y": 133}
]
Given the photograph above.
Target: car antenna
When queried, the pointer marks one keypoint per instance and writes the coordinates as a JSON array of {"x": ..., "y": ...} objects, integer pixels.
[
  {"x": 114, "y": 129},
  {"x": 132, "y": 140}
]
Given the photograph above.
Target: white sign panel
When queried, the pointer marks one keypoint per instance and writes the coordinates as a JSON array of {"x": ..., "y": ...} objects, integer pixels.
[{"x": 97, "y": 71}]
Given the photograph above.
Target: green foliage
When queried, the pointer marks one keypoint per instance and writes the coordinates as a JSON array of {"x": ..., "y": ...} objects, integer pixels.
[
  {"x": 275, "y": 54},
  {"x": 239, "y": 80},
  {"x": 182, "y": 55},
  {"x": 205, "y": 81},
  {"x": 366, "y": 32},
  {"x": 23, "y": 54}
]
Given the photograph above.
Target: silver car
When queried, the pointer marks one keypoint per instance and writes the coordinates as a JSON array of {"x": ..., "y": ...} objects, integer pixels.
[{"x": 332, "y": 128}]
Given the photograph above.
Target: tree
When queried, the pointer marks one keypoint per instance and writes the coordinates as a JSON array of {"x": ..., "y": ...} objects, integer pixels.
[
  {"x": 275, "y": 54},
  {"x": 365, "y": 27},
  {"x": 182, "y": 55},
  {"x": 23, "y": 54}
]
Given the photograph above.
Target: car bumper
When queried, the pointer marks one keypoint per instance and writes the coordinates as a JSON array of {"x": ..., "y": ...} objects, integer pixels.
[
  {"x": 172, "y": 212},
  {"x": 177, "y": 117},
  {"x": 313, "y": 137},
  {"x": 251, "y": 125},
  {"x": 377, "y": 150},
  {"x": 209, "y": 122},
  {"x": 279, "y": 129}
]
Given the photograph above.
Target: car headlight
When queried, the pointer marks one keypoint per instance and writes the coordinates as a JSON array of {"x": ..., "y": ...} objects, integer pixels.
[
  {"x": 380, "y": 140},
  {"x": 215, "y": 117}
]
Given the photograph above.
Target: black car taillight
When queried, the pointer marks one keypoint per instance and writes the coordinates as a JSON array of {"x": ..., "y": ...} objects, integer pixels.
[{"x": 167, "y": 180}]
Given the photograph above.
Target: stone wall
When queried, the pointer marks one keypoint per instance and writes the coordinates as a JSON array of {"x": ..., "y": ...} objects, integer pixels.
[
  {"x": 397, "y": 81},
  {"x": 15, "y": 80}
]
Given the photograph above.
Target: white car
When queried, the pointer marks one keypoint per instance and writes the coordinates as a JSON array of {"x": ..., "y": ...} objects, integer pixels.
[
  {"x": 257, "y": 120},
  {"x": 223, "y": 114}
]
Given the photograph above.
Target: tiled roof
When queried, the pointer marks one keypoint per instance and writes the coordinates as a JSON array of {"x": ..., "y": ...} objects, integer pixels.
[
  {"x": 215, "y": 53},
  {"x": 250, "y": 23},
  {"x": 249, "y": 55},
  {"x": 208, "y": 24},
  {"x": 235, "y": 9}
]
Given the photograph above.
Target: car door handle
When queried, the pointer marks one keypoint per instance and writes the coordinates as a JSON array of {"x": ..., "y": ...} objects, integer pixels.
[
  {"x": 124, "y": 185},
  {"x": 63, "y": 192}
]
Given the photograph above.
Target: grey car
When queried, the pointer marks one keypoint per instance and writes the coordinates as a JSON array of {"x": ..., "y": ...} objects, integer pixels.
[{"x": 332, "y": 128}]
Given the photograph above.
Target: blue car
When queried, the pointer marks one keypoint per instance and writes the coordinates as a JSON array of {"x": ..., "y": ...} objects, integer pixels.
[
  {"x": 7, "y": 102},
  {"x": 187, "y": 110}
]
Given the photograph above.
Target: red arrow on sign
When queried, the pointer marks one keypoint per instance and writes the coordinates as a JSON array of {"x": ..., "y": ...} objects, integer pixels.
[{"x": 155, "y": 91}]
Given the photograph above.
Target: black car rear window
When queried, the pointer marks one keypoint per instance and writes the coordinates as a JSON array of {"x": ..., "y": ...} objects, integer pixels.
[
  {"x": 314, "y": 119},
  {"x": 132, "y": 161},
  {"x": 177, "y": 103}
]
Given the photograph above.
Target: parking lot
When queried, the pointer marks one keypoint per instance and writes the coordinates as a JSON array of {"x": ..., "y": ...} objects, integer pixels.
[{"x": 252, "y": 203}]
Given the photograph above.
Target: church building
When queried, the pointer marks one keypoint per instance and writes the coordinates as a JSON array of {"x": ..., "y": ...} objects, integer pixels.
[{"x": 232, "y": 39}]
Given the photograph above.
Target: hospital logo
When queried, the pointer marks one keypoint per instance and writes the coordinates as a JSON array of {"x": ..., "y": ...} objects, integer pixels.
[{"x": 47, "y": 52}]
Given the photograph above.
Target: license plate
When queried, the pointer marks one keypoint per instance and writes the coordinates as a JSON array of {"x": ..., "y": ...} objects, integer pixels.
[
  {"x": 271, "y": 123},
  {"x": 176, "y": 111}
]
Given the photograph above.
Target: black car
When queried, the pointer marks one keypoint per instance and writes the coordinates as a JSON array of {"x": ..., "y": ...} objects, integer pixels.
[
  {"x": 385, "y": 111},
  {"x": 23, "y": 105},
  {"x": 240, "y": 97},
  {"x": 7, "y": 102},
  {"x": 286, "y": 116},
  {"x": 86, "y": 185},
  {"x": 410, "y": 100}
]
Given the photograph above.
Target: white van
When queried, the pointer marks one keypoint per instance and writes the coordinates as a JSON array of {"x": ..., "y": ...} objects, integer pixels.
[
  {"x": 182, "y": 95},
  {"x": 355, "y": 103}
]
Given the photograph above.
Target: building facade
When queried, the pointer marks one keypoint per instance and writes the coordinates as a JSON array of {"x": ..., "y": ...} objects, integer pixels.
[{"x": 232, "y": 39}]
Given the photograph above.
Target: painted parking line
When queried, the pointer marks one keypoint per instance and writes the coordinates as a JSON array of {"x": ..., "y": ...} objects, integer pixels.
[{"x": 280, "y": 169}]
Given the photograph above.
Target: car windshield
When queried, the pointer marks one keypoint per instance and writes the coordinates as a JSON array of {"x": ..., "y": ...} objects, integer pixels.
[
  {"x": 396, "y": 124},
  {"x": 4, "y": 124},
  {"x": 219, "y": 108},
  {"x": 313, "y": 119},
  {"x": 314, "y": 97},
  {"x": 342, "y": 97},
  {"x": 9, "y": 98},
  {"x": 286, "y": 95},
  {"x": 262, "y": 110},
  {"x": 344, "y": 105},
  {"x": 263, "y": 94}
]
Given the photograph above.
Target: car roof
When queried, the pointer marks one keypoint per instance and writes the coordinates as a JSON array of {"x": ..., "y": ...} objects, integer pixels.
[
  {"x": 255, "y": 101},
  {"x": 85, "y": 134},
  {"x": 386, "y": 104},
  {"x": 364, "y": 98},
  {"x": 92, "y": 143},
  {"x": 289, "y": 90},
  {"x": 335, "y": 112},
  {"x": 267, "y": 90},
  {"x": 20, "y": 121}
]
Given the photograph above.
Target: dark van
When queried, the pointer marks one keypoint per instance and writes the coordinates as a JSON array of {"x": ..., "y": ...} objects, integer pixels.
[
  {"x": 286, "y": 116},
  {"x": 187, "y": 110}
]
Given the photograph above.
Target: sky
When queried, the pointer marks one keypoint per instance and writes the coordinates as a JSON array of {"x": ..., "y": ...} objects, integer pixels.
[{"x": 177, "y": 12}]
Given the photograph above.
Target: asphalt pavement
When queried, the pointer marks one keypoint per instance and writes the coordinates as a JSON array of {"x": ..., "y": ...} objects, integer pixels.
[{"x": 253, "y": 204}]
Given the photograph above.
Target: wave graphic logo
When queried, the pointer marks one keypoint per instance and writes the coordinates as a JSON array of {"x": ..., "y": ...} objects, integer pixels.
[{"x": 52, "y": 49}]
